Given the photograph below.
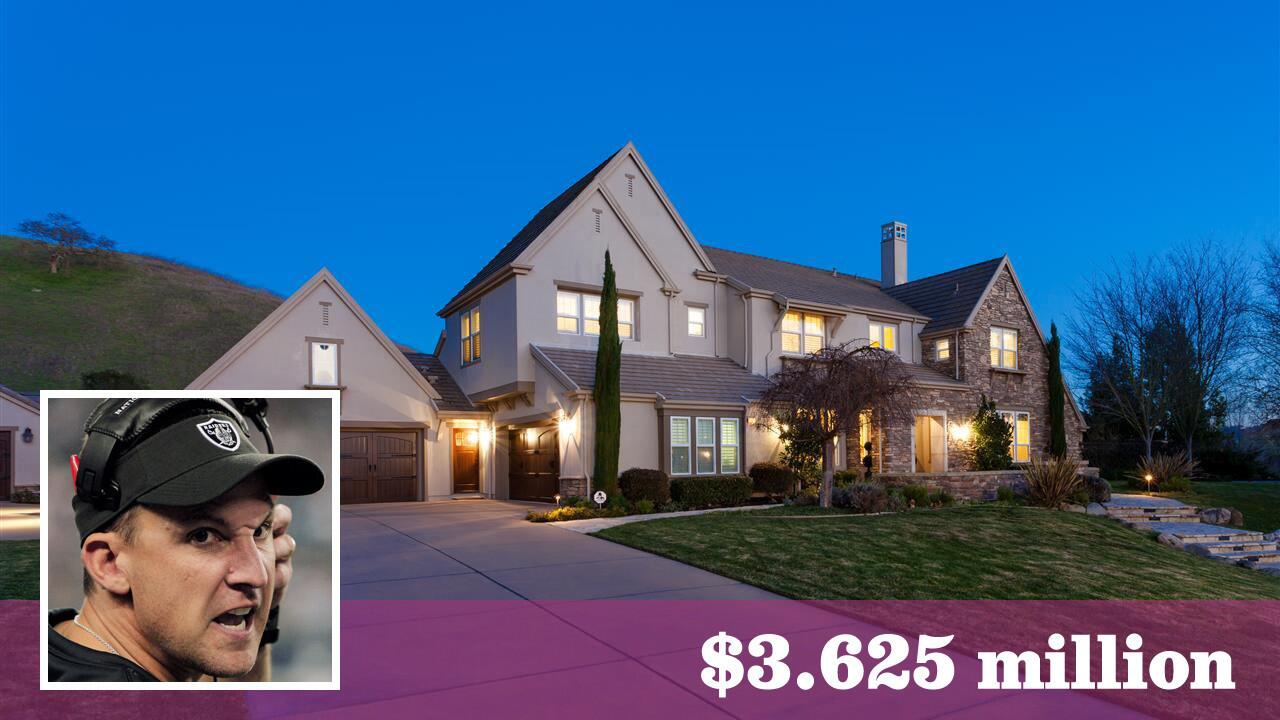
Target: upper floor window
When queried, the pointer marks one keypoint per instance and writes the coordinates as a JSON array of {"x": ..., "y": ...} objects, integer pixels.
[
  {"x": 802, "y": 332},
  {"x": 324, "y": 363},
  {"x": 471, "y": 336},
  {"x": 1020, "y": 423},
  {"x": 579, "y": 314},
  {"x": 1004, "y": 348},
  {"x": 884, "y": 335},
  {"x": 942, "y": 349},
  {"x": 697, "y": 322}
]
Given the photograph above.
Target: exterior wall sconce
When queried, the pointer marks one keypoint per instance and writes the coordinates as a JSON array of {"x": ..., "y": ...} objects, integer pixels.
[
  {"x": 961, "y": 431},
  {"x": 27, "y": 435},
  {"x": 566, "y": 426}
]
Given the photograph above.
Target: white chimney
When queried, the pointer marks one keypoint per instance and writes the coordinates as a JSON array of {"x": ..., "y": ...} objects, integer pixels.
[{"x": 893, "y": 254}]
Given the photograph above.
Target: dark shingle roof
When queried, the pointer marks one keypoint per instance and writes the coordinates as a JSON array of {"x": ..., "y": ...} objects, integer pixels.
[
  {"x": 451, "y": 396},
  {"x": 947, "y": 298},
  {"x": 533, "y": 228},
  {"x": 680, "y": 377},
  {"x": 31, "y": 399},
  {"x": 801, "y": 282},
  {"x": 929, "y": 376}
]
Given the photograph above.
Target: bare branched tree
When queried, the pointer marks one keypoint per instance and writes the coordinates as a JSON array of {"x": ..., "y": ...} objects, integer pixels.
[
  {"x": 823, "y": 395},
  {"x": 65, "y": 237},
  {"x": 1206, "y": 299},
  {"x": 1115, "y": 337},
  {"x": 1265, "y": 365}
]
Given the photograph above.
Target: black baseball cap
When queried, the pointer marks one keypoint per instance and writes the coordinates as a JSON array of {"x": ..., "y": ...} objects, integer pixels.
[{"x": 189, "y": 458}]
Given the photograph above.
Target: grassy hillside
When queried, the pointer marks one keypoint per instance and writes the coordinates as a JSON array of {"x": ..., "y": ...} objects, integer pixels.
[{"x": 161, "y": 321}]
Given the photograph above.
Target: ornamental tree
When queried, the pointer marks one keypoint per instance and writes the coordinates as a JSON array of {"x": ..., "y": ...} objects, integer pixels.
[
  {"x": 1057, "y": 396},
  {"x": 822, "y": 396},
  {"x": 64, "y": 237},
  {"x": 608, "y": 387}
]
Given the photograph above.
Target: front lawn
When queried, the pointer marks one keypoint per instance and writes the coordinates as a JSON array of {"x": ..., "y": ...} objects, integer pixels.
[
  {"x": 990, "y": 551},
  {"x": 20, "y": 570}
]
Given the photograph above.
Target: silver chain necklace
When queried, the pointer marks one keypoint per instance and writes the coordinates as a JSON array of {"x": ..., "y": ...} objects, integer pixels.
[{"x": 96, "y": 636}]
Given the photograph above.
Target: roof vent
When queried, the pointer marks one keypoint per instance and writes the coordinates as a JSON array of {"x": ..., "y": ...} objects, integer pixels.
[
  {"x": 432, "y": 379},
  {"x": 631, "y": 185},
  {"x": 324, "y": 313},
  {"x": 597, "y": 211}
]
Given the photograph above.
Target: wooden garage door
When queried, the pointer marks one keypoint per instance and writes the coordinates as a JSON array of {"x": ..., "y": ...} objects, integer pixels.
[
  {"x": 379, "y": 466},
  {"x": 535, "y": 464}
]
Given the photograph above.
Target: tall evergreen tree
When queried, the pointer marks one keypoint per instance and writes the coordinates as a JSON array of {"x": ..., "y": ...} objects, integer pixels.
[
  {"x": 1057, "y": 396},
  {"x": 608, "y": 393}
]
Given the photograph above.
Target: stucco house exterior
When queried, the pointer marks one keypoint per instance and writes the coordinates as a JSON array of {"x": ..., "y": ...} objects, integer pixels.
[
  {"x": 503, "y": 406},
  {"x": 19, "y": 441}
]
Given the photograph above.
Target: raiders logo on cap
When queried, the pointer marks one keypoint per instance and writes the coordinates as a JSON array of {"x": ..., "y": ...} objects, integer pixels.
[{"x": 220, "y": 432}]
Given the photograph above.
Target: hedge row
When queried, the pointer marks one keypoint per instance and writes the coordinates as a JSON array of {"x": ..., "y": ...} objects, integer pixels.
[
  {"x": 643, "y": 484},
  {"x": 711, "y": 491}
]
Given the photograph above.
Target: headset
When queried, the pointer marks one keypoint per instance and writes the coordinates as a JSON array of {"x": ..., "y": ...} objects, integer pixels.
[{"x": 119, "y": 422}]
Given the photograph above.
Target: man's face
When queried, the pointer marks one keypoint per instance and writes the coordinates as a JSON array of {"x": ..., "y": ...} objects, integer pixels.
[{"x": 201, "y": 579}]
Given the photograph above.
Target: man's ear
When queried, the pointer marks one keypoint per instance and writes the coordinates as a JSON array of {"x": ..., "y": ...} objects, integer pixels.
[{"x": 100, "y": 556}]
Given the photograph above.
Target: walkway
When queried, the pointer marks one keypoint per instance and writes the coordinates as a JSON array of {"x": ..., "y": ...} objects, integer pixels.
[
  {"x": 486, "y": 550},
  {"x": 1180, "y": 525}
]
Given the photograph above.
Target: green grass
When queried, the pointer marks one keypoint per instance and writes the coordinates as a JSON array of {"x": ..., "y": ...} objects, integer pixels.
[
  {"x": 1259, "y": 502},
  {"x": 161, "y": 321},
  {"x": 20, "y": 570},
  {"x": 990, "y": 551}
]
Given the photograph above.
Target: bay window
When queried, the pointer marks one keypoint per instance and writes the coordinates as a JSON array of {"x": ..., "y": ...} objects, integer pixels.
[
  {"x": 706, "y": 442},
  {"x": 729, "y": 461},
  {"x": 680, "y": 446}
]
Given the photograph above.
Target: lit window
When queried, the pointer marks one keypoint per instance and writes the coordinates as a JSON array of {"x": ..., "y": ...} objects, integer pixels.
[
  {"x": 706, "y": 444},
  {"x": 1004, "y": 348},
  {"x": 680, "y": 446},
  {"x": 884, "y": 336},
  {"x": 942, "y": 349},
  {"x": 579, "y": 314},
  {"x": 729, "y": 462},
  {"x": 471, "y": 336},
  {"x": 802, "y": 332},
  {"x": 567, "y": 312},
  {"x": 697, "y": 322},
  {"x": 324, "y": 363},
  {"x": 1020, "y": 423}
]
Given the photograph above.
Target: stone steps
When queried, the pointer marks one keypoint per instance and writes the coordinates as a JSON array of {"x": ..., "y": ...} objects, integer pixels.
[
  {"x": 1219, "y": 547},
  {"x": 1154, "y": 514}
]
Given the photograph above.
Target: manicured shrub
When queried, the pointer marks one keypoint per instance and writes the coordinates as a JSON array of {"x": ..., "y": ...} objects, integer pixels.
[
  {"x": 643, "y": 506},
  {"x": 804, "y": 499},
  {"x": 644, "y": 484},
  {"x": 1005, "y": 494},
  {"x": 1099, "y": 489},
  {"x": 1165, "y": 473},
  {"x": 992, "y": 437},
  {"x": 941, "y": 498},
  {"x": 773, "y": 479},
  {"x": 840, "y": 497},
  {"x": 712, "y": 491},
  {"x": 868, "y": 498},
  {"x": 896, "y": 501},
  {"x": 1052, "y": 481},
  {"x": 916, "y": 495},
  {"x": 846, "y": 478}
]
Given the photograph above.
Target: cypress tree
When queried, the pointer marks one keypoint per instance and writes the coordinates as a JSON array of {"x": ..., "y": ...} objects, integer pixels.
[
  {"x": 608, "y": 394},
  {"x": 1057, "y": 396}
]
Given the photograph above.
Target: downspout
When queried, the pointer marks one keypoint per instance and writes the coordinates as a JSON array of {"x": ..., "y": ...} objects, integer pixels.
[
  {"x": 746, "y": 332},
  {"x": 782, "y": 314},
  {"x": 669, "y": 296},
  {"x": 715, "y": 318}
]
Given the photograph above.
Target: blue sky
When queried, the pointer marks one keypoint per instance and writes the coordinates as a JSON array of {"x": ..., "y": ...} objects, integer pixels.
[{"x": 401, "y": 145}]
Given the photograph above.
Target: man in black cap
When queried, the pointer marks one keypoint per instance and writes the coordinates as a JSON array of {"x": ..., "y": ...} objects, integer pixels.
[{"x": 184, "y": 550}]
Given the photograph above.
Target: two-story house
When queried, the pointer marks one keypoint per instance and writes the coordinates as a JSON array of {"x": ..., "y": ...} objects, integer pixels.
[{"x": 503, "y": 406}]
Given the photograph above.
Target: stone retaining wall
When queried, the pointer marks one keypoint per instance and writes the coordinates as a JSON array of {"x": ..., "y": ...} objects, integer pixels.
[{"x": 968, "y": 485}]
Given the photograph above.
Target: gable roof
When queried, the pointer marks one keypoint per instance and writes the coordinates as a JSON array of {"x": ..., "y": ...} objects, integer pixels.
[
  {"x": 949, "y": 298},
  {"x": 678, "y": 377},
  {"x": 451, "y": 396},
  {"x": 29, "y": 399},
  {"x": 533, "y": 228},
  {"x": 802, "y": 282},
  {"x": 323, "y": 277}
]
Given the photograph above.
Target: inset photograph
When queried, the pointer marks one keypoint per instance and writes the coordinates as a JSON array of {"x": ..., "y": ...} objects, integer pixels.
[{"x": 189, "y": 539}]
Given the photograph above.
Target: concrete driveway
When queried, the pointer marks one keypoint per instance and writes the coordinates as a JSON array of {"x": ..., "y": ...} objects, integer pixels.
[{"x": 485, "y": 550}]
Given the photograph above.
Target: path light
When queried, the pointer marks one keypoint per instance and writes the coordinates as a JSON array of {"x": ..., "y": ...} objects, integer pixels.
[
  {"x": 1149, "y": 479},
  {"x": 557, "y": 499}
]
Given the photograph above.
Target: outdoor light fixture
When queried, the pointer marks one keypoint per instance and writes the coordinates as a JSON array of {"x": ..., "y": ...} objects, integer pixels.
[
  {"x": 27, "y": 435},
  {"x": 566, "y": 426},
  {"x": 960, "y": 431},
  {"x": 557, "y": 499}
]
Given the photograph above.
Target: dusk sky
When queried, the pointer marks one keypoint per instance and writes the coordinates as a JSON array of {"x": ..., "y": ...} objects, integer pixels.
[{"x": 402, "y": 145}]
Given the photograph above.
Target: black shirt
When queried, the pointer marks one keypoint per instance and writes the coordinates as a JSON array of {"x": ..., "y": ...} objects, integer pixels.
[{"x": 72, "y": 662}]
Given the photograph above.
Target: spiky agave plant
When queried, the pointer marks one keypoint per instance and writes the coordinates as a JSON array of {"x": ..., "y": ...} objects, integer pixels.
[{"x": 1164, "y": 473}]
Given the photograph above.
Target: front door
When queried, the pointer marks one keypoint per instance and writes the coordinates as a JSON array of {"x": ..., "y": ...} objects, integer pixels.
[
  {"x": 379, "y": 466},
  {"x": 466, "y": 460},
  {"x": 6, "y": 463},
  {"x": 930, "y": 444},
  {"x": 535, "y": 463}
]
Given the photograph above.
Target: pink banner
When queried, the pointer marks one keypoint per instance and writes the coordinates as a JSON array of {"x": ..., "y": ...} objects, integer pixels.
[{"x": 622, "y": 659}]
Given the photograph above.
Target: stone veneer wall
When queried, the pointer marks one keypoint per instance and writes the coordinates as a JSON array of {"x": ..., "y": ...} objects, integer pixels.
[
  {"x": 963, "y": 485},
  {"x": 1025, "y": 389},
  {"x": 573, "y": 486}
]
